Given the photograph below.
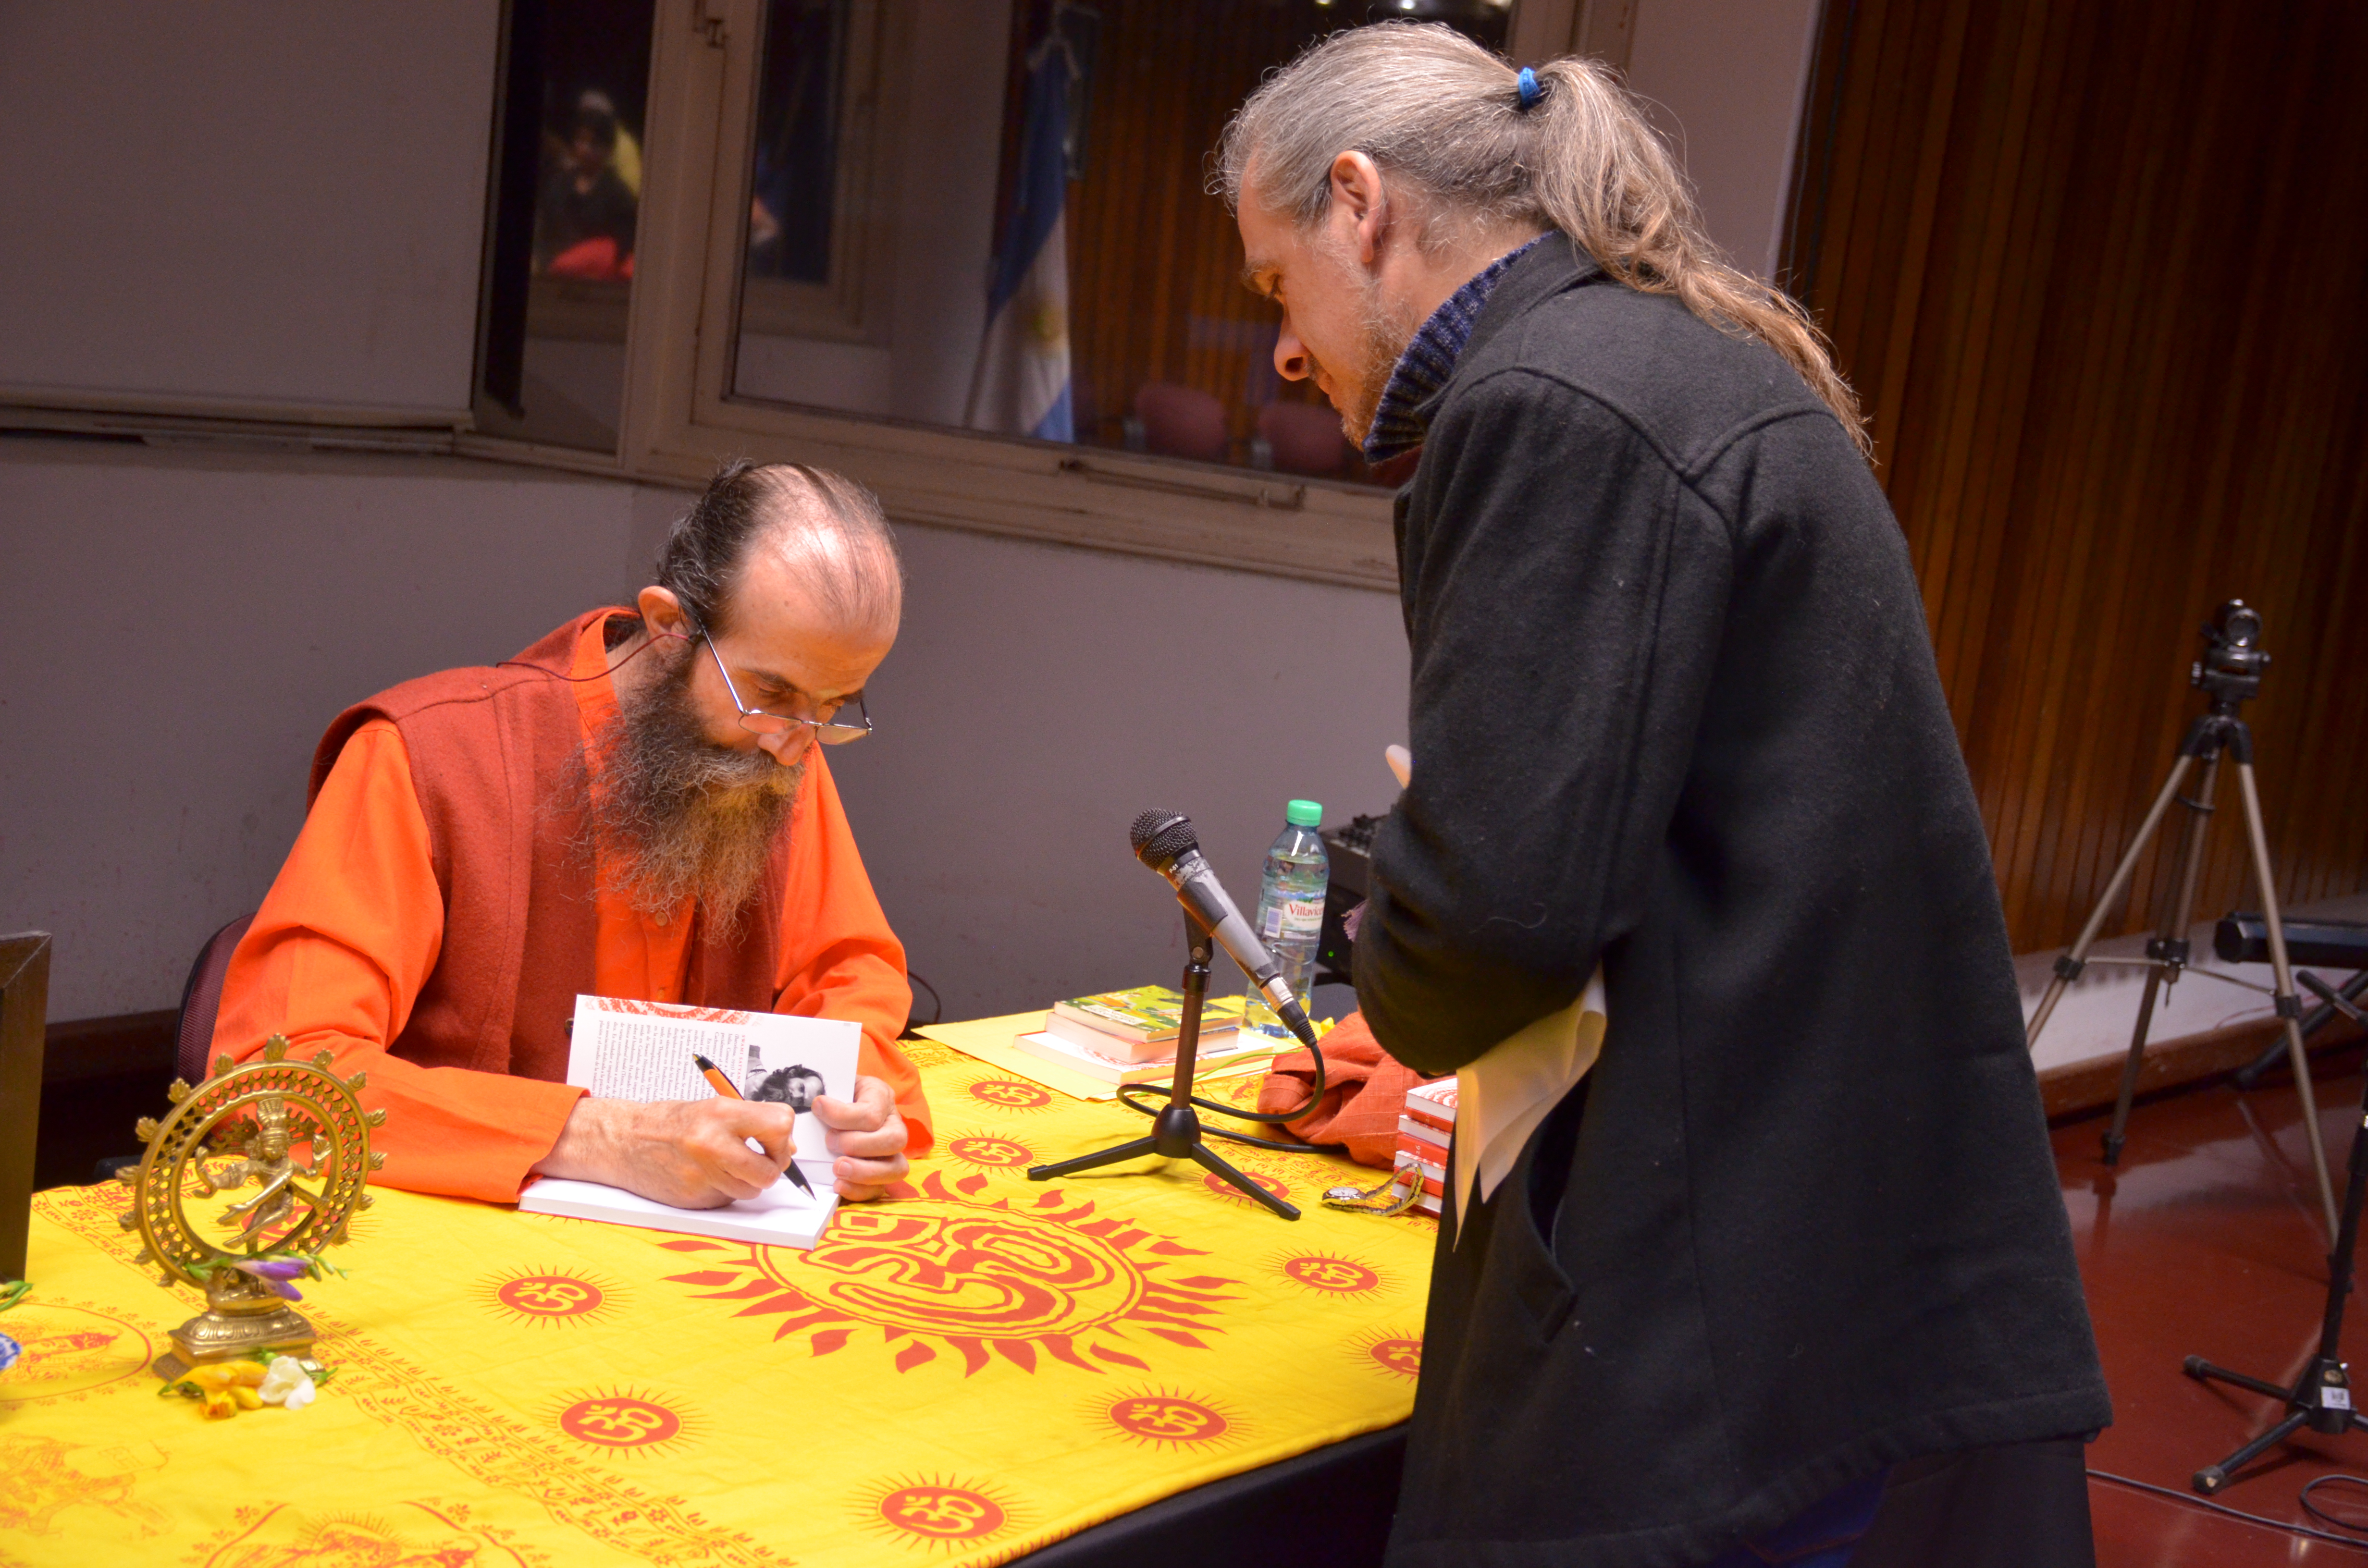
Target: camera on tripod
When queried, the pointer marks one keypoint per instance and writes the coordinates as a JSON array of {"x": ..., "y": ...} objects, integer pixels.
[{"x": 2233, "y": 664}]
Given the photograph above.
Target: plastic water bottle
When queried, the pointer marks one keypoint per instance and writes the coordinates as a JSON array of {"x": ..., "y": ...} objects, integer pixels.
[{"x": 1291, "y": 911}]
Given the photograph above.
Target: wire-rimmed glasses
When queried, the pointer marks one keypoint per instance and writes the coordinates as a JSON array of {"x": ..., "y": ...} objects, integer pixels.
[{"x": 831, "y": 732}]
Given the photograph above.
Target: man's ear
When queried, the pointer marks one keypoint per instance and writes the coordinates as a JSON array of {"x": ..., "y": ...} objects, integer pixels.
[
  {"x": 662, "y": 612},
  {"x": 1358, "y": 197}
]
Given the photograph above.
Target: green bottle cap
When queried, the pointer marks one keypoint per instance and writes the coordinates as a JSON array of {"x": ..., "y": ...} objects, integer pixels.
[{"x": 1304, "y": 814}]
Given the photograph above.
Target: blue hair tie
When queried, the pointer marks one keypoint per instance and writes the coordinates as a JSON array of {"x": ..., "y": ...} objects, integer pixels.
[{"x": 1528, "y": 88}]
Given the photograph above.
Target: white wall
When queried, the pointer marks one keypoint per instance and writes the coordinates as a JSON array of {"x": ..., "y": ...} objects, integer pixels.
[
  {"x": 245, "y": 201},
  {"x": 1724, "y": 77},
  {"x": 1041, "y": 697},
  {"x": 181, "y": 628}
]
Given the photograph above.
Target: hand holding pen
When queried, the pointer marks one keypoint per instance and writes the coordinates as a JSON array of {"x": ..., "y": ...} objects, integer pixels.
[{"x": 724, "y": 1086}]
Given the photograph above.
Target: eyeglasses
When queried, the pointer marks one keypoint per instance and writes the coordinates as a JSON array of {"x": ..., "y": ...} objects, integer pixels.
[{"x": 757, "y": 722}]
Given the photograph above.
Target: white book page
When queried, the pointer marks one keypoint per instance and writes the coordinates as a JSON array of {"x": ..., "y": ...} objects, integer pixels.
[{"x": 627, "y": 1049}]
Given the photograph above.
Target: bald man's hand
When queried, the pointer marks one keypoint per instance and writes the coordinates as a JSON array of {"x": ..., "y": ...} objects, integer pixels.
[
  {"x": 868, "y": 1136},
  {"x": 690, "y": 1153}
]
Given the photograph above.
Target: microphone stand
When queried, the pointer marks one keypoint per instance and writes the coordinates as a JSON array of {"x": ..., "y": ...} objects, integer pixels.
[{"x": 1175, "y": 1131}]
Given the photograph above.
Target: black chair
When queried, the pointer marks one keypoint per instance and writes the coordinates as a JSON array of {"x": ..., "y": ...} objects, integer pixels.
[{"x": 201, "y": 1001}]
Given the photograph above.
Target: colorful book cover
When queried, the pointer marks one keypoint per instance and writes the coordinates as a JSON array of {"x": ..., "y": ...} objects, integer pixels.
[{"x": 1144, "y": 1014}]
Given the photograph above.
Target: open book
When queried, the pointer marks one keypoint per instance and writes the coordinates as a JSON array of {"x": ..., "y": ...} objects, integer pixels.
[{"x": 624, "y": 1050}]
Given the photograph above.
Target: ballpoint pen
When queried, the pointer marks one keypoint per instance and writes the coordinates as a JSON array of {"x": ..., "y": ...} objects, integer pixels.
[{"x": 724, "y": 1086}]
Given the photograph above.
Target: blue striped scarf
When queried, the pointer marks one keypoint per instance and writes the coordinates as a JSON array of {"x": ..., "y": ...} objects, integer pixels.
[{"x": 1429, "y": 360}]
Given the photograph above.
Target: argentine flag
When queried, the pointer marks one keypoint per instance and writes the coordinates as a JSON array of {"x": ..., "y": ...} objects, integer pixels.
[{"x": 1021, "y": 383}]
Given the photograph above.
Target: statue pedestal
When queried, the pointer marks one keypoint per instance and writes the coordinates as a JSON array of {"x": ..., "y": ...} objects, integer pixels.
[{"x": 243, "y": 1315}]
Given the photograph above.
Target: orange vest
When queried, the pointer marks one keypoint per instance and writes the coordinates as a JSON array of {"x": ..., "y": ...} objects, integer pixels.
[{"x": 490, "y": 752}]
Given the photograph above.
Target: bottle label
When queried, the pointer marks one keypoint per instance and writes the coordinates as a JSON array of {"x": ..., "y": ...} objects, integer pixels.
[{"x": 1291, "y": 920}]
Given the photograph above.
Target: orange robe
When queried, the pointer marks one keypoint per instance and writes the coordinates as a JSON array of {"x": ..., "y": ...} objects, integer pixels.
[{"x": 352, "y": 926}]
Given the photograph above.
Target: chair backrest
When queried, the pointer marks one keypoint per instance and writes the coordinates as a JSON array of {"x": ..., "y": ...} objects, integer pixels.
[
  {"x": 201, "y": 1000},
  {"x": 1181, "y": 422},
  {"x": 1305, "y": 439},
  {"x": 24, "y": 1017}
]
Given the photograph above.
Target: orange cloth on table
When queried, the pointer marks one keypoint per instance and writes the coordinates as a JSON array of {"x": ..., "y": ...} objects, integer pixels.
[
  {"x": 353, "y": 925},
  {"x": 1364, "y": 1092}
]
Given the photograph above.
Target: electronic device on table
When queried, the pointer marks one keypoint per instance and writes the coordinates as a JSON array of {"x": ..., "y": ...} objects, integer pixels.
[{"x": 1351, "y": 849}]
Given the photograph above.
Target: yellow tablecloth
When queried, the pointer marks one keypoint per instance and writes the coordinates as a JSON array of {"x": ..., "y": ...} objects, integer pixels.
[{"x": 955, "y": 1375}]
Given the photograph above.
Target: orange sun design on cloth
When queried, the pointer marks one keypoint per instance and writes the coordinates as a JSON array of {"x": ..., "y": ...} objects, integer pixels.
[
  {"x": 1233, "y": 1194},
  {"x": 938, "y": 1511},
  {"x": 1015, "y": 1280},
  {"x": 626, "y": 1421},
  {"x": 1395, "y": 1351},
  {"x": 549, "y": 1296},
  {"x": 990, "y": 1151},
  {"x": 1167, "y": 1418},
  {"x": 1010, "y": 1095},
  {"x": 1330, "y": 1274}
]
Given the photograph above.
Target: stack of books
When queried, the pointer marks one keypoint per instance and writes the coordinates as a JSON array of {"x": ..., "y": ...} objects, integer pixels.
[
  {"x": 1425, "y": 1127},
  {"x": 1128, "y": 1037}
]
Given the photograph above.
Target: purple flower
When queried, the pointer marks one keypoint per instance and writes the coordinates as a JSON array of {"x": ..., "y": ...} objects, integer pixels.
[
  {"x": 9, "y": 1351},
  {"x": 273, "y": 1267},
  {"x": 275, "y": 1272}
]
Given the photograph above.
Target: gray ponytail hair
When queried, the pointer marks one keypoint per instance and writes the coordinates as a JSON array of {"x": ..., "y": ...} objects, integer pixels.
[{"x": 1427, "y": 103}]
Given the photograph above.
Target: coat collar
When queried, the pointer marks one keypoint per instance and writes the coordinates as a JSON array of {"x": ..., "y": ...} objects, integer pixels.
[
  {"x": 1429, "y": 360},
  {"x": 1546, "y": 268}
]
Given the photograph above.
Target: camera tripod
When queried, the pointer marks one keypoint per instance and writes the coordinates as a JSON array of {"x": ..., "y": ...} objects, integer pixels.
[{"x": 2229, "y": 674}]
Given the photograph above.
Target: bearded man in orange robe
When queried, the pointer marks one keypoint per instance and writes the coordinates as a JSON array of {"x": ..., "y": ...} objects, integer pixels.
[{"x": 636, "y": 806}]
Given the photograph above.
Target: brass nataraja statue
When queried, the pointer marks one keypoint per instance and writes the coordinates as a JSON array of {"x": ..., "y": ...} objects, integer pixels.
[{"x": 244, "y": 1124}]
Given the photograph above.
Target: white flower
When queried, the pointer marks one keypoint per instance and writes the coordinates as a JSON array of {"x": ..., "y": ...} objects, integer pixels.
[{"x": 285, "y": 1385}]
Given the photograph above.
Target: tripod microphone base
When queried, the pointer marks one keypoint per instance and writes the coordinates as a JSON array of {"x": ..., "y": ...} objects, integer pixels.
[
  {"x": 1176, "y": 1135},
  {"x": 2320, "y": 1399}
]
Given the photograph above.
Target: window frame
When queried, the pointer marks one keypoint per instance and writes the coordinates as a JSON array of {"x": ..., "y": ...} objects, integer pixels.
[
  {"x": 679, "y": 421},
  {"x": 846, "y": 308}
]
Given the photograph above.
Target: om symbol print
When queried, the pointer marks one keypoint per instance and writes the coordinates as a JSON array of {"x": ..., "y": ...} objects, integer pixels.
[
  {"x": 1177, "y": 1420},
  {"x": 618, "y": 1423},
  {"x": 550, "y": 1296},
  {"x": 947, "y": 1513}
]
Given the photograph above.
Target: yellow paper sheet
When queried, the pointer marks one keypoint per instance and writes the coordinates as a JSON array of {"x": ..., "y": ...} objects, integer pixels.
[
  {"x": 954, "y": 1377},
  {"x": 990, "y": 1040}
]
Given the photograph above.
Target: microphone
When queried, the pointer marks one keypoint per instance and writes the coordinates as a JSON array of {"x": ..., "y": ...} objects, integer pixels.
[{"x": 1165, "y": 842}]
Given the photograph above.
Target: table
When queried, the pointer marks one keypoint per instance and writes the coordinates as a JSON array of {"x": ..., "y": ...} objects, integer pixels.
[{"x": 966, "y": 1372}]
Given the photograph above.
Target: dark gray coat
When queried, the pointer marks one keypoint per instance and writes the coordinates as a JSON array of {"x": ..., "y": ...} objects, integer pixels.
[{"x": 1674, "y": 707}]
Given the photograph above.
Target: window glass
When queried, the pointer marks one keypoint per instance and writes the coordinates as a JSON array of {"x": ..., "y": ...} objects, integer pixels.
[
  {"x": 992, "y": 217},
  {"x": 568, "y": 189}
]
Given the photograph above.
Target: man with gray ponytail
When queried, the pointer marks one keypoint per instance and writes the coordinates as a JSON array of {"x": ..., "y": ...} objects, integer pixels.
[{"x": 1785, "y": 1277}]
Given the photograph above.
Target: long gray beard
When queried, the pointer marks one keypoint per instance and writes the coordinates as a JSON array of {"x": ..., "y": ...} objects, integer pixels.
[{"x": 676, "y": 816}]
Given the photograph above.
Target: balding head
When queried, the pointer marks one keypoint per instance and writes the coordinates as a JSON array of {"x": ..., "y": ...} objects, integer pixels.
[{"x": 825, "y": 529}]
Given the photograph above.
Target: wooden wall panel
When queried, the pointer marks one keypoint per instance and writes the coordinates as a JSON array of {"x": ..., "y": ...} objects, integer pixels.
[{"x": 2096, "y": 268}]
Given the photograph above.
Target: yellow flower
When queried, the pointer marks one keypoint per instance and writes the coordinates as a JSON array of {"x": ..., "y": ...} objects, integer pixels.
[{"x": 218, "y": 1376}]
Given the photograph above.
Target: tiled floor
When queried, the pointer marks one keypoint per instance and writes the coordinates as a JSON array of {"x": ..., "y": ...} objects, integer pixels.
[{"x": 2206, "y": 1241}]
